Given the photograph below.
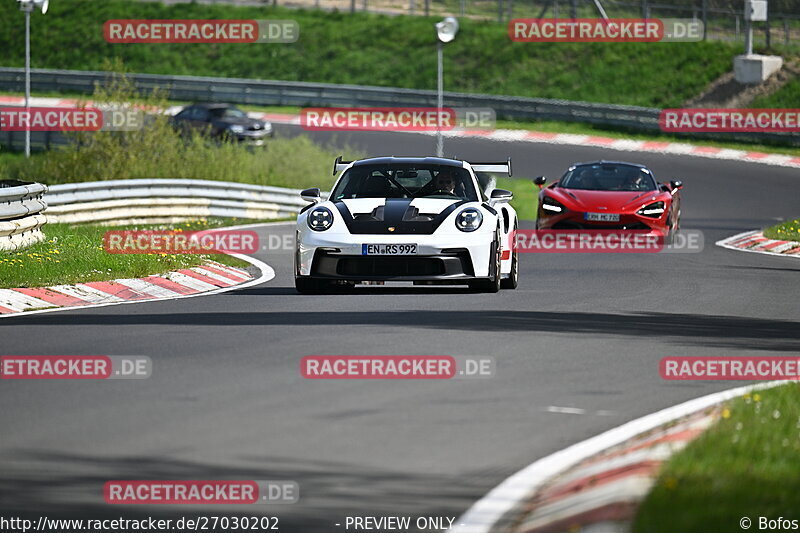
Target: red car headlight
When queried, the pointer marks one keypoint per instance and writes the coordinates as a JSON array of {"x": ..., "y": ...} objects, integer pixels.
[
  {"x": 552, "y": 206},
  {"x": 654, "y": 210}
]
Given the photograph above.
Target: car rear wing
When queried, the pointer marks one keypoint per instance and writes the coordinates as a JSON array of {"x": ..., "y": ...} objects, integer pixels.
[
  {"x": 339, "y": 165},
  {"x": 503, "y": 168}
]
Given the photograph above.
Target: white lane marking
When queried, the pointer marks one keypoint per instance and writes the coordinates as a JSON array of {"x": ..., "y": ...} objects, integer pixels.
[
  {"x": 565, "y": 410},
  {"x": 603, "y": 412},
  {"x": 503, "y": 500},
  {"x": 86, "y": 293},
  {"x": 576, "y": 411},
  {"x": 16, "y": 301}
]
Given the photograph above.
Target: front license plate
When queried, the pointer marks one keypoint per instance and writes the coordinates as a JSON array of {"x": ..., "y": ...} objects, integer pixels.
[
  {"x": 602, "y": 217},
  {"x": 388, "y": 249}
]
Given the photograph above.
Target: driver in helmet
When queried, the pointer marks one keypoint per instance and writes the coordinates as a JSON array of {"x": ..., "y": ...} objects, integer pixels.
[{"x": 445, "y": 181}]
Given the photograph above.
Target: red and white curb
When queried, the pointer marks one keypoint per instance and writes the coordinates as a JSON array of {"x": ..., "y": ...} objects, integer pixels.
[
  {"x": 754, "y": 241},
  {"x": 627, "y": 145},
  {"x": 603, "y": 493},
  {"x": 565, "y": 475},
  {"x": 506, "y": 135},
  {"x": 209, "y": 278}
]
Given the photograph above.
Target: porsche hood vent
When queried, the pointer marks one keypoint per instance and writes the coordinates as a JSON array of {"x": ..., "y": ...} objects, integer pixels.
[{"x": 397, "y": 214}]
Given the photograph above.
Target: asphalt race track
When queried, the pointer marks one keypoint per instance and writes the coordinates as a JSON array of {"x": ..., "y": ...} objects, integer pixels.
[{"x": 226, "y": 400}]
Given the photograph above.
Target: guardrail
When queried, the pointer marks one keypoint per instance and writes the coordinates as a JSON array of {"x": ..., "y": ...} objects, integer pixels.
[
  {"x": 21, "y": 217},
  {"x": 284, "y": 93},
  {"x": 157, "y": 201}
]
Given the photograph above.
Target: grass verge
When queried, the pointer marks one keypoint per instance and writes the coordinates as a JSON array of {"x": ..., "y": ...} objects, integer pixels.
[
  {"x": 785, "y": 231},
  {"x": 787, "y": 96},
  {"x": 75, "y": 254},
  {"x": 526, "y": 196},
  {"x": 745, "y": 465}
]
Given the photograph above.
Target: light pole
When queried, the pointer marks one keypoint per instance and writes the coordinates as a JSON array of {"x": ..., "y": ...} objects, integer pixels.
[
  {"x": 446, "y": 31},
  {"x": 27, "y": 6}
]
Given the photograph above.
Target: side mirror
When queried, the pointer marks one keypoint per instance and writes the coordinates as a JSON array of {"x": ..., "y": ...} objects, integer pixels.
[
  {"x": 310, "y": 195},
  {"x": 540, "y": 181},
  {"x": 501, "y": 196},
  {"x": 676, "y": 184}
]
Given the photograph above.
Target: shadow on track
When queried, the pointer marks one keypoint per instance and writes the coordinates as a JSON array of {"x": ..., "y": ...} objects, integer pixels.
[
  {"x": 704, "y": 330},
  {"x": 62, "y": 484}
]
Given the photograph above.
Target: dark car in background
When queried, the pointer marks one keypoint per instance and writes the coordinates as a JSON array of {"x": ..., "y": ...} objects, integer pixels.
[{"x": 223, "y": 122}]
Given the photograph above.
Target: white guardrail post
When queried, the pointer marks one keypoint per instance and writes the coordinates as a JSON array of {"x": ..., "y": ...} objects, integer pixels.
[
  {"x": 21, "y": 218},
  {"x": 166, "y": 201}
]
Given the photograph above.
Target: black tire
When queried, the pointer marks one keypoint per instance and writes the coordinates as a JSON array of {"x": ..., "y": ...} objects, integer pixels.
[
  {"x": 492, "y": 284},
  {"x": 512, "y": 281},
  {"x": 310, "y": 285},
  {"x": 672, "y": 229}
]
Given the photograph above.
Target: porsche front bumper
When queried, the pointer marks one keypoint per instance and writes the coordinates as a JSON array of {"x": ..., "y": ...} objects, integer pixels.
[{"x": 337, "y": 256}]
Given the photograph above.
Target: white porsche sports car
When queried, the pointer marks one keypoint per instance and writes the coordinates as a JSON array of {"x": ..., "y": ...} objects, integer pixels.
[{"x": 425, "y": 220}]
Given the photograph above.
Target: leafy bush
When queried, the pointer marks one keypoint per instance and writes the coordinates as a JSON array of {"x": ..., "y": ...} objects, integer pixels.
[{"x": 156, "y": 151}]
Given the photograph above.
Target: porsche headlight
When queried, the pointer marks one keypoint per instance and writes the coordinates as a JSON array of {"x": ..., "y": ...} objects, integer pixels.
[
  {"x": 320, "y": 219},
  {"x": 654, "y": 210},
  {"x": 469, "y": 219},
  {"x": 549, "y": 204}
]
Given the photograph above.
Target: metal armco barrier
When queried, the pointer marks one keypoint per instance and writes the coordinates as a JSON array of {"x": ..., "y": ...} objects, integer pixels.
[
  {"x": 156, "y": 201},
  {"x": 21, "y": 218},
  {"x": 285, "y": 93}
]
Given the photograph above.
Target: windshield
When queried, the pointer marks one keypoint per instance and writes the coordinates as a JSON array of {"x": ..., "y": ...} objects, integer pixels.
[
  {"x": 608, "y": 177},
  {"x": 406, "y": 181},
  {"x": 228, "y": 112}
]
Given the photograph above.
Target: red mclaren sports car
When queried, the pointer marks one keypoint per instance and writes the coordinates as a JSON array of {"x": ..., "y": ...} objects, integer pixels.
[{"x": 610, "y": 195}]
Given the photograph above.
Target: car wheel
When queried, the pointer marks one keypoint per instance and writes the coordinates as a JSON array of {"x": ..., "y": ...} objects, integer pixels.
[
  {"x": 492, "y": 284},
  {"x": 310, "y": 285},
  {"x": 512, "y": 281},
  {"x": 671, "y": 229}
]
